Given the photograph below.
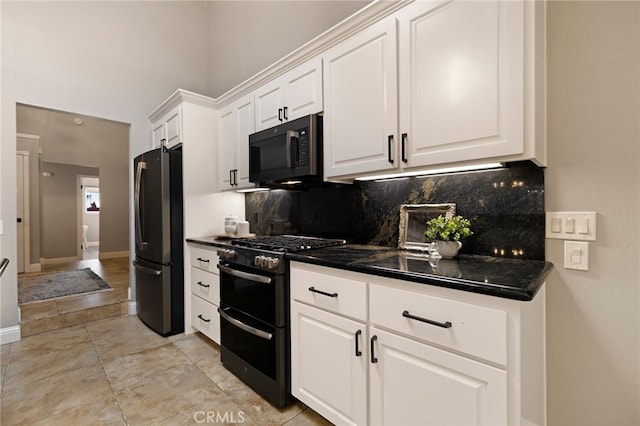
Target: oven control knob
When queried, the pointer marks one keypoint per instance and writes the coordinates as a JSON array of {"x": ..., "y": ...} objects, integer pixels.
[
  {"x": 227, "y": 254},
  {"x": 258, "y": 260},
  {"x": 273, "y": 263}
]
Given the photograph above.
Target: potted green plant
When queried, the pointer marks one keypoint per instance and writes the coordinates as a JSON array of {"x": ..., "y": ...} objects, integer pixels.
[{"x": 447, "y": 232}]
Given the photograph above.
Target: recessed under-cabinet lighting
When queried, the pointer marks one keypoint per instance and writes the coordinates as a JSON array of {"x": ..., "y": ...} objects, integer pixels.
[
  {"x": 253, "y": 190},
  {"x": 433, "y": 171}
]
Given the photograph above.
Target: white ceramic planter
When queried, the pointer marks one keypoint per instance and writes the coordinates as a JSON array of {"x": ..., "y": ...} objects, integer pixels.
[{"x": 448, "y": 249}]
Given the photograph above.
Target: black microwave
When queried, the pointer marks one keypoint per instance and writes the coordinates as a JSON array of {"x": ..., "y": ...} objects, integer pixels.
[{"x": 290, "y": 152}]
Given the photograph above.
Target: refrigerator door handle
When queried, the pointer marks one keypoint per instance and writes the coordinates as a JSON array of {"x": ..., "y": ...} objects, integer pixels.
[
  {"x": 146, "y": 270},
  {"x": 141, "y": 166}
]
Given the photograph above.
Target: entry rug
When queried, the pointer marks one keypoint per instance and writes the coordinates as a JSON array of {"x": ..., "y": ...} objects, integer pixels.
[{"x": 50, "y": 285}]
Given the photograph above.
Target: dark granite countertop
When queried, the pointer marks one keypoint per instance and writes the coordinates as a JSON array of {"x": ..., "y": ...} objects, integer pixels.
[
  {"x": 501, "y": 277},
  {"x": 509, "y": 278},
  {"x": 210, "y": 241}
]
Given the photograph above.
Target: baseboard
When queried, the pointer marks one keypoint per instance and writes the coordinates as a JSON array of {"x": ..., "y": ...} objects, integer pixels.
[
  {"x": 113, "y": 254},
  {"x": 93, "y": 243},
  {"x": 133, "y": 310},
  {"x": 44, "y": 261},
  {"x": 9, "y": 334},
  {"x": 35, "y": 267}
]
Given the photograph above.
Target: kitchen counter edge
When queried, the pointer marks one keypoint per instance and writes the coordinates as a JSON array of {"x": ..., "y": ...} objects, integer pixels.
[{"x": 315, "y": 257}]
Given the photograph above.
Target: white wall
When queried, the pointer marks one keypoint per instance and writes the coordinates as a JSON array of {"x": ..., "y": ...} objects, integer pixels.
[
  {"x": 114, "y": 60},
  {"x": 593, "y": 140},
  {"x": 247, "y": 36}
]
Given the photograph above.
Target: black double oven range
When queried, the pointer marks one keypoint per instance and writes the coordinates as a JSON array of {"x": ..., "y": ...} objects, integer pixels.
[{"x": 254, "y": 310}]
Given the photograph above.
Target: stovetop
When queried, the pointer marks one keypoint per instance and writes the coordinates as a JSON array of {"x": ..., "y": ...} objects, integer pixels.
[{"x": 287, "y": 243}]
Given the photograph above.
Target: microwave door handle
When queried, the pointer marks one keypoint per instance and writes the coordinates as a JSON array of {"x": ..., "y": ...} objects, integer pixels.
[{"x": 291, "y": 134}]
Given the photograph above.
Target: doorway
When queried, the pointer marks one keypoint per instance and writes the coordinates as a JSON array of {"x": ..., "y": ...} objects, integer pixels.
[
  {"x": 89, "y": 214},
  {"x": 69, "y": 145}
]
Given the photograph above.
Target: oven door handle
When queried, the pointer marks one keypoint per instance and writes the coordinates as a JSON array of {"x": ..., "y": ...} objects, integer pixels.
[
  {"x": 245, "y": 275},
  {"x": 245, "y": 327}
]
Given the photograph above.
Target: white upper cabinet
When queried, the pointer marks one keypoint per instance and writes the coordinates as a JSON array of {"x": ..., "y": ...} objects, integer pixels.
[
  {"x": 168, "y": 129},
  {"x": 461, "y": 81},
  {"x": 360, "y": 95},
  {"x": 469, "y": 87},
  {"x": 236, "y": 124},
  {"x": 292, "y": 95}
]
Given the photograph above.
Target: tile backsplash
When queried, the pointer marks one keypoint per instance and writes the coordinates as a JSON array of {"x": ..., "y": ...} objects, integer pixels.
[{"x": 505, "y": 206}]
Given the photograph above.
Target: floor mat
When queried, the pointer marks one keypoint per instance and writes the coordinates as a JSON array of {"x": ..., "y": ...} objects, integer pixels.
[{"x": 50, "y": 285}]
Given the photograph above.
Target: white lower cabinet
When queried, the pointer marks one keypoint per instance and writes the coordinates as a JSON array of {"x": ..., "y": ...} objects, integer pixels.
[
  {"x": 386, "y": 365},
  {"x": 205, "y": 318},
  {"x": 329, "y": 368},
  {"x": 203, "y": 287},
  {"x": 416, "y": 384}
]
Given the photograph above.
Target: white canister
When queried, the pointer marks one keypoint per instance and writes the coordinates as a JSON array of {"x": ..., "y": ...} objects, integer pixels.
[
  {"x": 242, "y": 228},
  {"x": 230, "y": 224}
]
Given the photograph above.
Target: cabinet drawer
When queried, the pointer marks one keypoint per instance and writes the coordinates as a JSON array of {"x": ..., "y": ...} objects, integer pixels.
[
  {"x": 341, "y": 295},
  {"x": 205, "y": 318},
  {"x": 473, "y": 329},
  {"x": 206, "y": 259},
  {"x": 205, "y": 285}
]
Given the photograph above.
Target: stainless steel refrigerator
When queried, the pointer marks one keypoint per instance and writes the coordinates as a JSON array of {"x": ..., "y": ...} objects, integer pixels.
[{"x": 159, "y": 232}]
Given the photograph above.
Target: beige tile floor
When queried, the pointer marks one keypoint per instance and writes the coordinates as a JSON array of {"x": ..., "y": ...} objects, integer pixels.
[
  {"x": 47, "y": 315},
  {"x": 116, "y": 371}
]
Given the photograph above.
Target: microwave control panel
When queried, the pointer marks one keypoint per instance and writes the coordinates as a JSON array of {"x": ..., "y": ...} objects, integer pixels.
[{"x": 302, "y": 159}]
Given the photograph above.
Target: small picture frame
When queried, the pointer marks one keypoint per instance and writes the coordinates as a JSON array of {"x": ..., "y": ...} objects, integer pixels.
[{"x": 413, "y": 223}]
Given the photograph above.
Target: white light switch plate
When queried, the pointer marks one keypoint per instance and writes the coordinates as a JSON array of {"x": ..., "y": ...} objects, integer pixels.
[
  {"x": 576, "y": 255},
  {"x": 579, "y": 226}
]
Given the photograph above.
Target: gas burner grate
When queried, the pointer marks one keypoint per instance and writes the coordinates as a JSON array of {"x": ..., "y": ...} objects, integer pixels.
[{"x": 287, "y": 243}]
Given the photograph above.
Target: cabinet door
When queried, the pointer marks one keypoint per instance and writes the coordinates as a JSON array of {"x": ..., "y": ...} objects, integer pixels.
[
  {"x": 269, "y": 101},
  {"x": 303, "y": 90},
  {"x": 174, "y": 128},
  {"x": 245, "y": 125},
  {"x": 326, "y": 372},
  {"x": 461, "y": 80},
  {"x": 158, "y": 133},
  {"x": 360, "y": 102},
  {"x": 413, "y": 383},
  {"x": 226, "y": 147},
  {"x": 236, "y": 124}
]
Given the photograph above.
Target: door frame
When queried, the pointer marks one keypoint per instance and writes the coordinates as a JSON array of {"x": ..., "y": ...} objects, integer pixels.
[{"x": 26, "y": 212}]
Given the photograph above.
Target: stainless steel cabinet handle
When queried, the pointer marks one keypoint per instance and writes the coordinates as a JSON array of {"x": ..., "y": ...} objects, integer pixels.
[
  {"x": 404, "y": 148},
  {"x": 446, "y": 324},
  {"x": 358, "y": 351},
  {"x": 373, "y": 354},
  {"x": 313, "y": 290},
  {"x": 245, "y": 327},
  {"x": 245, "y": 275}
]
